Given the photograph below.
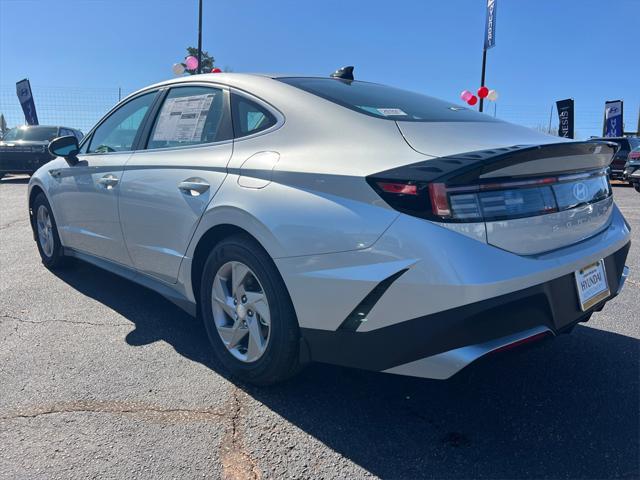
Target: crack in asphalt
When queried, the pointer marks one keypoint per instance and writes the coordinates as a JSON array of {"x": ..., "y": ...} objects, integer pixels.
[
  {"x": 115, "y": 408},
  {"x": 11, "y": 224},
  {"x": 633, "y": 282},
  {"x": 237, "y": 464},
  {"x": 57, "y": 320}
]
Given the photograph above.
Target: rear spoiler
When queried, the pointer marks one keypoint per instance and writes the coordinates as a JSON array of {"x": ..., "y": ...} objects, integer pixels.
[{"x": 508, "y": 162}]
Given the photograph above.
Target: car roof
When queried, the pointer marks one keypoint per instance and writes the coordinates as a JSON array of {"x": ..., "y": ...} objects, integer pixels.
[
  {"x": 231, "y": 79},
  {"x": 614, "y": 139}
]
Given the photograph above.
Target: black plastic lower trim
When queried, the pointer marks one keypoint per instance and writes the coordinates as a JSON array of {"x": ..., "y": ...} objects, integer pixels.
[
  {"x": 359, "y": 314},
  {"x": 553, "y": 304}
]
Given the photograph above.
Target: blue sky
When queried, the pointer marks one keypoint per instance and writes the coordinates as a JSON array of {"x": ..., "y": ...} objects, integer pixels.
[{"x": 545, "y": 50}]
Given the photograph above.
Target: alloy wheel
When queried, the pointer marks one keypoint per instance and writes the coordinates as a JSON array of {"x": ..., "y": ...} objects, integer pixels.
[
  {"x": 241, "y": 311},
  {"x": 45, "y": 230}
]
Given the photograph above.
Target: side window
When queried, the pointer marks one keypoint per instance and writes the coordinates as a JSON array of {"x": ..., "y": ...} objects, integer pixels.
[
  {"x": 118, "y": 131},
  {"x": 249, "y": 117},
  {"x": 190, "y": 116},
  {"x": 65, "y": 132}
]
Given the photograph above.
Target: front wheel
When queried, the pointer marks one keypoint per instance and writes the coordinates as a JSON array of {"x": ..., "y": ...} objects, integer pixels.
[
  {"x": 637, "y": 187},
  {"x": 247, "y": 312},
  {"x": 46, "y": 230}
]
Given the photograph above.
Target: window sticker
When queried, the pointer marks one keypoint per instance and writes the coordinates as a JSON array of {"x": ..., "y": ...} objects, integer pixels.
[
  {"x": 389, "y": 112},
  {"x": 182, "y": 119}
]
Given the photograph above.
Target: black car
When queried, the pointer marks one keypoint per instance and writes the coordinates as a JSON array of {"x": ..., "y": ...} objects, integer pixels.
[
  {"x": 632, "y": 169},
  {"x": 24, "y": 149},
  {"x": 622, "y": 155}
]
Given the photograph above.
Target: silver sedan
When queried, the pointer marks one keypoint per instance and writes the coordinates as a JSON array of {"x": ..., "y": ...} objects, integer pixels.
[{"x": 335, "y": 220}]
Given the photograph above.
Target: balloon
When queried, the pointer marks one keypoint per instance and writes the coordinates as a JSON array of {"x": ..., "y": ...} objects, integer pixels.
[
  {"x": 178, "y": 68},
  {"x": 191, "y": 62},
  {"x": 215, "y": 70},
  {"x": 483, "y": 92},
  {"x": 466, "y": 95},
  {"x": 492, "y": 95},
  {"x": 473, "y": 100}
]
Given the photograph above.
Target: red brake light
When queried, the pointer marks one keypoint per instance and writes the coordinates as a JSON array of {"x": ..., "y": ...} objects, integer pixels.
[
  {"x": 439, "y": 199},
  {"x": 399, "y": 188}
]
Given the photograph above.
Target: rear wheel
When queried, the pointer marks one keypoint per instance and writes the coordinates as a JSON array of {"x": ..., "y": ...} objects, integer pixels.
[
  {"x": 637, "y": 187},
  {"x": 248, "y": 314},
  {"x": 47, "y": 237}
]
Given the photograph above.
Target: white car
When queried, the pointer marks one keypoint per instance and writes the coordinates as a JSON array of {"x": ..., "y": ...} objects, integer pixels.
[{"x": 333, "y": 220}]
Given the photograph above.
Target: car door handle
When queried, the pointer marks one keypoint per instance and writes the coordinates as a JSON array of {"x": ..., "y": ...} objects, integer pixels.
[
  {"x": 193, "y": 186},
  {"x": 109, "y": 181}
]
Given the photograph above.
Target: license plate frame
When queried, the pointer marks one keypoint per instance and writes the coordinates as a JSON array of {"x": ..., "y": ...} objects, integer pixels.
[{"x": 596, "y": 287}]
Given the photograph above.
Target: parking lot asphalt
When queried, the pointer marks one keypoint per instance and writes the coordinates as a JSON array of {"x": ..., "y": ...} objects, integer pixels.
[{"x": 101, "y": 378}]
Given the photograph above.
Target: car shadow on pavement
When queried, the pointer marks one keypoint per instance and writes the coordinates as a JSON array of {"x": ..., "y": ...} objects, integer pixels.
[{"x": 567, "y": 408}]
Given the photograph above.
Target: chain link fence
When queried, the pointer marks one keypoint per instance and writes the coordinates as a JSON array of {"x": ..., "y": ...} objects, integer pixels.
[{"x": 77, "y": 108}]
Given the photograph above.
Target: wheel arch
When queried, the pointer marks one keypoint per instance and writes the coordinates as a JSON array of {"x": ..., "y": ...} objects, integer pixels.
[{"x": 212, "y": 234}]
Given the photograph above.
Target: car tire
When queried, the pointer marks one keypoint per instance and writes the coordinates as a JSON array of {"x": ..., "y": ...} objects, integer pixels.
[
  {"x": 46, "y": 233},
  {"x": 255, "y": 350},
  {"x": 637, "y": 187}
]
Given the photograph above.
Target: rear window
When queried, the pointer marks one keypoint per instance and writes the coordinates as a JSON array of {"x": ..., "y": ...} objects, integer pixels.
[
  {"x": 385, "y": 102},
  {"x": 635, "y": 143}
]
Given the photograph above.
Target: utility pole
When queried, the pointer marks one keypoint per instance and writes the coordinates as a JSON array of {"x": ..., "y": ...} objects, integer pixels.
[{"x": 199, "y": 36}]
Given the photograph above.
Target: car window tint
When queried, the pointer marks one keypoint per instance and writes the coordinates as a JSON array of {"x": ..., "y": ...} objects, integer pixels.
[
  {"x": 118, "y": 131},
  {"x": 386, "y": 102},
  {"x": 190, "y": 116},
  {"x": 249, "y": 117}
]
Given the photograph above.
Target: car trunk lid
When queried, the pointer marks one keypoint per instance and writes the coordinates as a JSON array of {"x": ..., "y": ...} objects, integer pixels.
[{"x": 531, "y": 198}]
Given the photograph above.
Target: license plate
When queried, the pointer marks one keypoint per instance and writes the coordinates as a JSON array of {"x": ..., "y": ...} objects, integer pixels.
[{"x": 592, "y": 284}]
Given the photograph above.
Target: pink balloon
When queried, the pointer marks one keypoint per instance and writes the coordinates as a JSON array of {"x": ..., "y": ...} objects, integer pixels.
[
  {"x": 191, "y": 62},
  {"x": 465, "y": 95}
]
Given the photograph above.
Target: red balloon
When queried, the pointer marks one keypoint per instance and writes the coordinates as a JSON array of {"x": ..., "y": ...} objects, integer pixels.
[
  {"x": 216, "y": 70},
  {"x": 483, "y": 92},
  {"x": 473, "y": 100}
]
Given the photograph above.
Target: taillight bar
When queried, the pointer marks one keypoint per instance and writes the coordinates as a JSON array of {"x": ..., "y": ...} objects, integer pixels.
[{"x": 494, "y": 200}]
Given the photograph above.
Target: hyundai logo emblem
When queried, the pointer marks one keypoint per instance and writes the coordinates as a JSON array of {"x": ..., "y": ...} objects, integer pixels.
[{"x": 580, "y": 191}]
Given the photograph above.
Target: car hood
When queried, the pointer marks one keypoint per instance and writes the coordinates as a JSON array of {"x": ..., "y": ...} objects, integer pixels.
[
  {"x": 443, "y": 139},
  {"x": 22, "y": 143}
]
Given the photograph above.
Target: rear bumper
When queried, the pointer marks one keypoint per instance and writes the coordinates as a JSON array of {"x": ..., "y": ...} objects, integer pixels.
[
  {"x": 616, "y": 174},
  {"x": 440, "y": 344}
]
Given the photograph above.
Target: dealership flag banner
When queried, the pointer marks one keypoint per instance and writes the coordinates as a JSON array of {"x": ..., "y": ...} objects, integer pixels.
[
  {"x": 490, "y": 25},
  {"x": 565, "y": 118},
  {"x": 613, "y": 118},
  {"x": 23, "y": 90}
]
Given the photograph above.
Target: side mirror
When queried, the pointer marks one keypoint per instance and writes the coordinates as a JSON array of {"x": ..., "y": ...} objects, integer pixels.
[{"x": 66, "y": 147}]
